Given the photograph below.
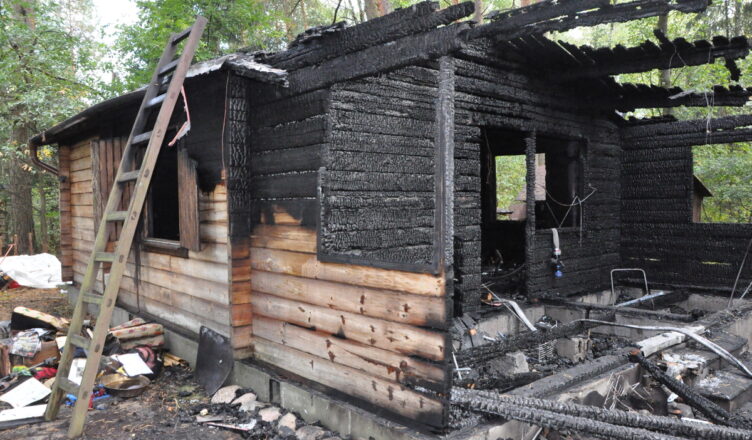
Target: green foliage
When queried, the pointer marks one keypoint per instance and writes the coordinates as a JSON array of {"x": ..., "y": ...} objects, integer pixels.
[
  {"x": 232, "y": 25},
  {"x": 48, "y": 56},
  {"x": 511, "y": 174},
  {"x": 726, "y": 170}
]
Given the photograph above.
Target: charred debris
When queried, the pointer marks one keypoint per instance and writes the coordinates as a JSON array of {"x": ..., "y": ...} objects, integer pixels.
[
  {"x": 531, "y": 293},
  {"x": 364, "y": 159},
  {"x": 531, "y": 290}
]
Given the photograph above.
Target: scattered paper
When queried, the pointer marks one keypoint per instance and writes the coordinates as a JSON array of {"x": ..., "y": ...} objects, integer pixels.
[
  {"x": 133, "y": 364},
  {"x": 60, "y": 341},
  {"x": 77, "y": 370},
  {"x": 26, "y": 343},
  {"x": 26, "y": 393},
  {"x": 27, "y": 412}
]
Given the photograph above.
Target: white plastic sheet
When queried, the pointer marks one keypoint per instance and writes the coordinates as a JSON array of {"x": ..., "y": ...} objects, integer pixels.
[{"x": 41, "y": 271}]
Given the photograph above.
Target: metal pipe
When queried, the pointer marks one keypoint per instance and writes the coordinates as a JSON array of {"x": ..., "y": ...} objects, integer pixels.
[
  {"x": 642, "y": 299},
  {"x": 717, "y": 349},
  {"x": 38, "y": 162},
  {"x": 644, "y": 277}
]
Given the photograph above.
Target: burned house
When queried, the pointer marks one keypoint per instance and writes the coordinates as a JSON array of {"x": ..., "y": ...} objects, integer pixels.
[{"x": 333, "y": 209}]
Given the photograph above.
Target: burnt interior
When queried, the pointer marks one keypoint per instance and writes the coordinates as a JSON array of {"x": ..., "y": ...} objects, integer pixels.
[
  {"x": 361, "y": 161},
  {"x": 164, "y": 212}
]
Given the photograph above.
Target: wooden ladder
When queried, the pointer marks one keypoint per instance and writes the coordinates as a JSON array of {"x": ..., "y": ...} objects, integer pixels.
[{"x": 169, "y": 74}]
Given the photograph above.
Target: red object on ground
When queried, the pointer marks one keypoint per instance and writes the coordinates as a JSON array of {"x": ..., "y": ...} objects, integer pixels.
[{"x": 45, "y": 373}]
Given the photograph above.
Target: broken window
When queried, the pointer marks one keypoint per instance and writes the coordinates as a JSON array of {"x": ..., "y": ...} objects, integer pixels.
[
  {"x": 171, "y": 218},
  {"x": 503, "y": 194},
  {"x": 511, "y": 179},
  {"x": 721, "y": 189},
  {"x": 559, "y": 183}
]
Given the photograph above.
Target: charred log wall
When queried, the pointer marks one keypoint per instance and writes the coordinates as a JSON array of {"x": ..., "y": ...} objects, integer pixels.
[
  {"x": 502, "y": 93},
  {"x": 377, "y": 201},
  {"x": 287, "y": 139},
  {"x": 659, "y": 235},
  {"x": 378, "y": 195}
]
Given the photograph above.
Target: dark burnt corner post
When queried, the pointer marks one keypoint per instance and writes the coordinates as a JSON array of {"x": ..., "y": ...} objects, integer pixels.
[{"x": 444, "y": 210}]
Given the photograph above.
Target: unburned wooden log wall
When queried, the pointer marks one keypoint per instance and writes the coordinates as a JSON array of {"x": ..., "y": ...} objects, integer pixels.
[
  {"x": 183, "y": 292},
  {"x": 658, "y": 233}
]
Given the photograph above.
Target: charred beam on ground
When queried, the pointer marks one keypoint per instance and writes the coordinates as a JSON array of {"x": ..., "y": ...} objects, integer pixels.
[
  {"x": 488, "y": 400},
  {"x": 692, "y": 398},
  {"x": 521, "y": 341},
  {"x": 557, "y": 420}
]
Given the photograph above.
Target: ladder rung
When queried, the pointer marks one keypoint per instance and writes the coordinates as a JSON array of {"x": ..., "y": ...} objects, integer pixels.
[
  {"x": 169, "y": 67},
  {"x": 105, "y": 257},
  {"x": 155, "y": 101},
  {"x": 128, "y": 176},
  {"x": 80, "y": 341},
  {"x": 67, "y": 385},
  {"x": 92, "y": 298},
  {"x": 117, "y": 216},
  {"x": 177, "y": 38},
  {"x": 143, "y": 137}
]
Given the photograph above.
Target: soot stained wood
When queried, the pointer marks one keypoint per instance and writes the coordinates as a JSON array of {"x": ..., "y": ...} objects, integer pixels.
[
  {"x": 404, "y": 22},
  {"x": 658, "y": 233},
  {"x": 378, "y": 203},
  {"x": 648, "y": 56}
]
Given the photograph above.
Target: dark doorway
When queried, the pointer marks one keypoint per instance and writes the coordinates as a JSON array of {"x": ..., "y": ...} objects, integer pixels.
[{"x": 503, "y": 209}]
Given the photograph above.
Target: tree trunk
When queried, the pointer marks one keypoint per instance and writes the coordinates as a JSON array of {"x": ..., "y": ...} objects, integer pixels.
[
  {"x": 20, "y": 211},
  {"x": 665, "y": 81},
  {"x": 372, "y": 10},
  {"x": 478, "y": 15},
  {"x": 44, "y": 238},
  {"x": 377, "y": 8}
]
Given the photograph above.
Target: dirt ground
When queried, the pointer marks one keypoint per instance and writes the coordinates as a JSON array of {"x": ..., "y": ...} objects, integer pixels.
[
  {"x": 156, "y": 414},
  {"x": 45, "y": 300}
]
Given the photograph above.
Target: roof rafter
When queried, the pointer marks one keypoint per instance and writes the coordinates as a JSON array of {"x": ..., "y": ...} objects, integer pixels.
[
  {"x": 569, "y": 14},
  {"x": 649, "y": 56}
]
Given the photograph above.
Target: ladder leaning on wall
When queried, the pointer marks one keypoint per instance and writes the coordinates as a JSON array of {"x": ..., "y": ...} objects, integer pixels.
[{"x": 161, "y": 96}]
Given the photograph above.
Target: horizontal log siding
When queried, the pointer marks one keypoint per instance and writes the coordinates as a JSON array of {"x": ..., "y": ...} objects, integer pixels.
[
  {"x": 378, "y": 190},
  {"x": 491, "y": 92},
  {"x": 659, "y": 235},
  {"x": 367, "y": 332},
  {"x": 184, "y": 292}
]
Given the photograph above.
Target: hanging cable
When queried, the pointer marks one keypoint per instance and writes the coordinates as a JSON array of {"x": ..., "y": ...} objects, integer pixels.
[{"x": 739, "y": 273}]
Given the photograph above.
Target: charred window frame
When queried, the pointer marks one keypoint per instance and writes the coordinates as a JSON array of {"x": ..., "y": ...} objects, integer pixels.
[
  {"x": 564, "y": 173},
  {"x": 558, "y": 176},
  {"x": 170, "y": 220}
]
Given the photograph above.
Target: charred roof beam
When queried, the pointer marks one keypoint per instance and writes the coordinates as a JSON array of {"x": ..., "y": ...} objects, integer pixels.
[
  {"x": 633, "y": 96},
  {"x": 565, "y": 15},
  {"x": 401, "y": 23},
  {"x": 648, "y": 56}
]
